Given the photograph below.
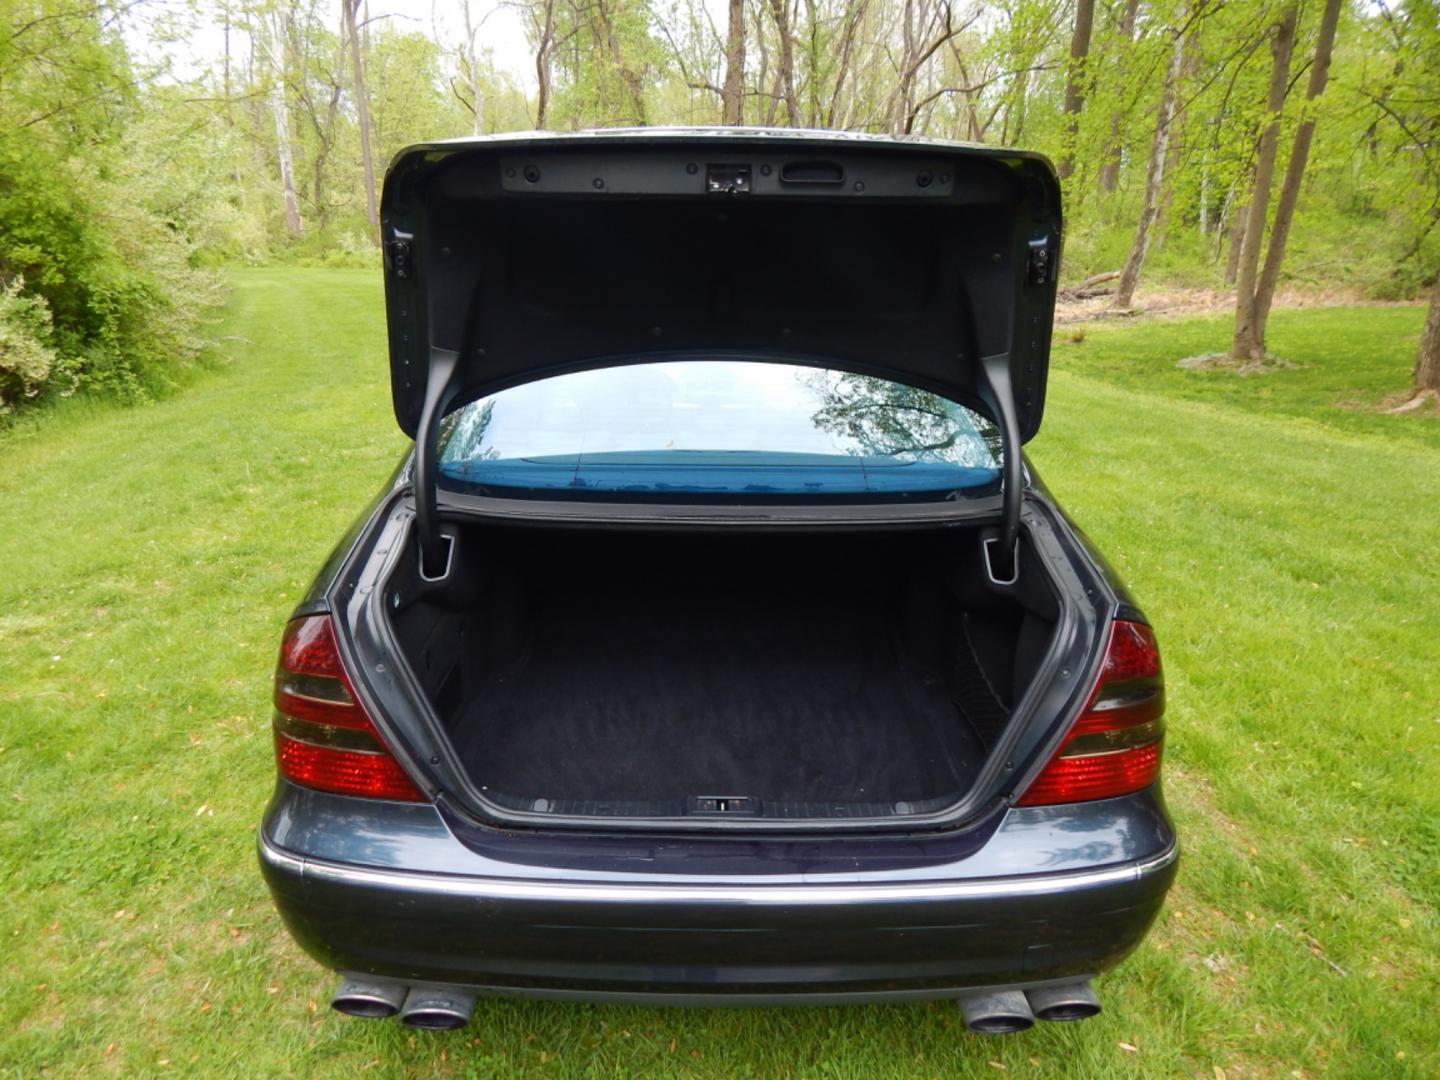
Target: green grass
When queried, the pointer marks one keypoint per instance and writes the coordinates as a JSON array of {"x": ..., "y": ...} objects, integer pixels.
[
  {"x": 1284, "y": 546},
  {"x": 1346, "y": 362}
]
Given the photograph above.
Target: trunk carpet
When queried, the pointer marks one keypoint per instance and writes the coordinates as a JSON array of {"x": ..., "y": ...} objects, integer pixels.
[{"x": 655, "y": 697}]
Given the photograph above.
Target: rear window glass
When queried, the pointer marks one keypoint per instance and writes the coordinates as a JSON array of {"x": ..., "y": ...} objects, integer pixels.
[{"x": 697, "y": 430}]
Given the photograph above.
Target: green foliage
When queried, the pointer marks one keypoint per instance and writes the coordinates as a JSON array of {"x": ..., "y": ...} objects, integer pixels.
[
  {"x": 95, "y": 216},
  {"x": 607, "y": 63},
  {"x": 27, "y": 359}
]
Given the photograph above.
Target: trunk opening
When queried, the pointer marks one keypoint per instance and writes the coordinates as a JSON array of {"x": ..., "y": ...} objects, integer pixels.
[{"x": 677, "y": 673}]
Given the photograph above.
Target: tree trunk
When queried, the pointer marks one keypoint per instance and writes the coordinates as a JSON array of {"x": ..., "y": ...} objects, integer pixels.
[
  {"x": 1154, "y": 180},
  {"x": 785, "y": 72},
  {"x": 1011, "y": 135},
  {"x": 1427, "y": 360},
  {"x": 1109, "y": 178},
  {"x": 472, "y": 63},
  {"x": 271, "y": 43},
  {"x": 847, "y": 49},
  {"x": 629, "y": 77},
  {"x": 733, "y": 98},
  {"x": 544, "y": 43},
  {"x": 324, "y": 129},
  {"x": 280, "y": 110},
  {"x": 1246, "y": 346},
  {"x": 1238, "y": 217},
  {"x": 1202, "y": 211},
  {"x": 362, "y": 115},
  {"x": 757, "y": 35},
  {"x": 1176, "y": 156},
  {"x": 900, "y": 96},
  {"x": 917, "y": 21},
  {"x": 974, "y": 129},
  {"x": 1075, "y": 82},
  {"x": 1294, "y": 173}
]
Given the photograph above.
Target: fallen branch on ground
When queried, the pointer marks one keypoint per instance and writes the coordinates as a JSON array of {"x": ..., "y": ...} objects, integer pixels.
[{"x": 1086, "y": 288}]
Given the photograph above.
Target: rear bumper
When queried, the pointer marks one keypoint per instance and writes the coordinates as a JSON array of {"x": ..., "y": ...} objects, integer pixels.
[{"x": 727, "y": 940}]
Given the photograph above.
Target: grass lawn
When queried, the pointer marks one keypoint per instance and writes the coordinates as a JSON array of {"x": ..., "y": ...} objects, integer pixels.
[{"x": 1283, "y": 541}]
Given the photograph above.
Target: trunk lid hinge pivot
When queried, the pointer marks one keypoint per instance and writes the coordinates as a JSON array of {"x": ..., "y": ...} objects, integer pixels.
[
  {"x": 440, "y": 389},
  {"x": 1040, "y": 265},
  {"x": 399, "y": 257},
  {"x": 1001, "y": 552}
]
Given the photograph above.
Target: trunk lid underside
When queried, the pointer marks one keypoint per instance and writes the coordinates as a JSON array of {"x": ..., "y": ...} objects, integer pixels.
[{"x": 920, "y": 261}]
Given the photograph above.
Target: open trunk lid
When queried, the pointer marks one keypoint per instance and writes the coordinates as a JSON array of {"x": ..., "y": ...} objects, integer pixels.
[{"x": 513, "y": 257}]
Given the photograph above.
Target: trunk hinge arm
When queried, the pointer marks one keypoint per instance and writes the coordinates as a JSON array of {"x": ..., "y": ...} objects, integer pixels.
[
  {"x": 440, "y": 388},
  {"x": 1002, "y": 553}
]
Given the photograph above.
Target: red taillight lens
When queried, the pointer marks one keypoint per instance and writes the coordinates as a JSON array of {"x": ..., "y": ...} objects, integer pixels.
[
  {"x": 323, "y": 739},
  {"x": 1114, "y": 746},
  {"x": 350, "y": 772}
]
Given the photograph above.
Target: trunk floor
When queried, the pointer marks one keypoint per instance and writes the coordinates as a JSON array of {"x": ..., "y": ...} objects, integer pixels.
[{"x": 776, "y": 698}]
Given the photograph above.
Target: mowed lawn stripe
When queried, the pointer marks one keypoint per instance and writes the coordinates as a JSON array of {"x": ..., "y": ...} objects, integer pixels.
[{"x": 151, "y": 555}]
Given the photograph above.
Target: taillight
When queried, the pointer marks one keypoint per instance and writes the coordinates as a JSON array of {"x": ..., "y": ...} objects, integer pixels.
[
  {"x": 1114, "y": 746},
  {"x": 323, "y": 739}
]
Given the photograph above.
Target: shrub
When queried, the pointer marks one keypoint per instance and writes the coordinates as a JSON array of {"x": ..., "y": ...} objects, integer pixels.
[
  {"x": 27, "y": 359},
  {"x": 101, "y": 216}
]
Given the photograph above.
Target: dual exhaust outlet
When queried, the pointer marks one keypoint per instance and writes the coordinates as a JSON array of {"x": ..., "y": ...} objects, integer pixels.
[
  {"x": 439, "y": 1008},
  {"x": 1004, "y": 1012},
  {"x": 430, "y": 1008}
]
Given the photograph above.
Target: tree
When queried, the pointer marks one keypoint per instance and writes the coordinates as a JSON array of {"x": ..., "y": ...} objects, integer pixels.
[
  {"x": 925, "y": 26},
  {"x": 733, "y": 110},
  {"x": 1247, "y": 347},
  {"x": 1109, "y": 174},
  {"x": 470, "y": 68},
  {"x": 271, "y": 38},
  {"x": 1427, "y": 358},
  {"x": 349, "y": 8},
  {"x": 1075, "y": 82},
  {"x": 314, "y": 83},
  {"x": 851, "y": 20},
  {"x": 542, "y": 39},
  {"x": 631, "y": 77},
  {"x": 785, "y": 66},
  {"x": 1154, "y": 178},
  {"x": 1294, "y": 176}
]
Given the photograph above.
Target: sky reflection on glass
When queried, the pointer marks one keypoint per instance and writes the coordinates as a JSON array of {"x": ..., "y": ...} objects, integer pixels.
[{"x": 719, "y": 426}]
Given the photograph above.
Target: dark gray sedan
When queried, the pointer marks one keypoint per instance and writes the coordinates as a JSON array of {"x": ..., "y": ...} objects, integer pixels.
[{"x": 716, "y": 643}]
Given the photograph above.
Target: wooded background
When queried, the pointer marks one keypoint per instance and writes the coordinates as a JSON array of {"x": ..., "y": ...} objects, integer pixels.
[{"x": 1226, "y": 144}]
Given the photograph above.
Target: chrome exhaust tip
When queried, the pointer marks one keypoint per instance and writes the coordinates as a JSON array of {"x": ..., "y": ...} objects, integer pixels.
[
  {"x": 1002, "y": 1012},
  {"x": 1073, "y": 1001},
  {"x": 437, "y": 1008},
  {"x": 373, "y": 999}
]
